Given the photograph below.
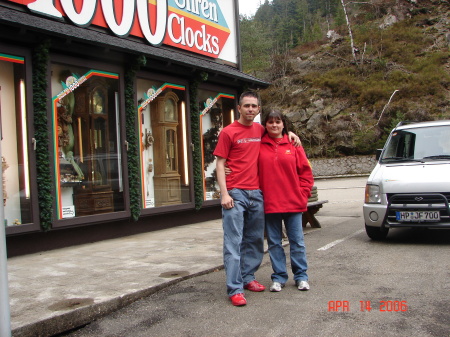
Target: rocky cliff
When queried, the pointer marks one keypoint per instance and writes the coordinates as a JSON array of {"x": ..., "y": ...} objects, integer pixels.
[{"x": 344, "y": 101}]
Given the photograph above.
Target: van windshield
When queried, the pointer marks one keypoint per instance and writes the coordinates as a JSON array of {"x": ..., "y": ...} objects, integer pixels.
[{"x": 420, "y": 144}]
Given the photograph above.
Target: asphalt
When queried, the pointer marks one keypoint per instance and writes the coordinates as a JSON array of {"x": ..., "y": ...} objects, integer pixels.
[{"x": 54, "y": 291}]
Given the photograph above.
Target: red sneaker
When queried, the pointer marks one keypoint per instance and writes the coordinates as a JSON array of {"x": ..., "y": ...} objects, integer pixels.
[
  {"x": 254, "y": 286},
  {"x": 238, "y": 300}
]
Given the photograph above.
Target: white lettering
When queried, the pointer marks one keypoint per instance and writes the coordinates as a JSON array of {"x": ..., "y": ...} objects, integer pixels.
[
  {"x": 124, "y": 28},
  {"x": 180, "y": 4},
  {"x": 173, "y": 17},
  {"x": 196, "y": 6},
  {"x": 213, "y": 12},
  {"x": 206, "y": 37},
  {"x": 198, "y": 34},
  {"x": 215, "y": 43},
  {"x": 45, "y": 7},
  {"x": 205, "y": 7},
  {"x": 190, "y": 39},
  {"x": 86, "y": 14},
  {"x": 201, "y": 39},
  {"x": 161, "y": 21}
]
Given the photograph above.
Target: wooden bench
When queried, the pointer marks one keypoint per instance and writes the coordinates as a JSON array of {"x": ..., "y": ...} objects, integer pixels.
[{"x": 309, "y": 215}]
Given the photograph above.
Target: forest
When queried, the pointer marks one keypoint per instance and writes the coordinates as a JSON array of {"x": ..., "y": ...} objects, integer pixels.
[{"x": 346, "y": 72}]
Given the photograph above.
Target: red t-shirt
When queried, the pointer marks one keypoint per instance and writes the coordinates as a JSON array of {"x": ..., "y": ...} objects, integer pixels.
[{"x": 239, "y": 145}]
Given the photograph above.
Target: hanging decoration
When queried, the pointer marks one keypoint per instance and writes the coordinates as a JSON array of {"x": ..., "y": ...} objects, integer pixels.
[
  {"x": 132, "y": 136},
  {"x": 44, "y": 178},
  {"x": 196, "y": 138}
]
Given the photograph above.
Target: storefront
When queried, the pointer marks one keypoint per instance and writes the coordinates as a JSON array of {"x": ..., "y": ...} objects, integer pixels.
[{"x": 110, "y": 114}]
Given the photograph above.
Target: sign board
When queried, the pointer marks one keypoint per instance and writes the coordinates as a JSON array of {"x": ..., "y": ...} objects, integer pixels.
[
  {"x": 68, "y": 212},
  {"x": 206, "y": 27}
]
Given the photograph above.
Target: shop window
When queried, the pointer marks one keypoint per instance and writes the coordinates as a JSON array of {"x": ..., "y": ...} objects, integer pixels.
[
  {"x": 217, "y": 111},
  {"x": 87, "y": 137},
  {"x": 14, "y": 142},
  {"x": 164, "y": 149}
]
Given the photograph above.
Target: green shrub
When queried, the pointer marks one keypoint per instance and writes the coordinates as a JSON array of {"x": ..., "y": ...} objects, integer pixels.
[
  {"x": 372, "y": 95},
  {"x": 368, "y": 140}
]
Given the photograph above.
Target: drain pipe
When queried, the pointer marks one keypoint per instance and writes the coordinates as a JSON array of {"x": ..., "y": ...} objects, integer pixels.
[{"x": 5, "y": 316}]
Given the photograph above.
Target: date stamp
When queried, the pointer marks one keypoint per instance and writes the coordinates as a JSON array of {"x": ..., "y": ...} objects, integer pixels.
[{"x": 368, "y": 306}]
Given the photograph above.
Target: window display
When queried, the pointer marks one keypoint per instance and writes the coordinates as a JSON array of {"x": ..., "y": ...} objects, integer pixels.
[
  {"x": 162, "y": 113},
  {"x": 217, "y": 111},
  {"x": 14, "y": 142},
  {"x": 89, "y": 175}
]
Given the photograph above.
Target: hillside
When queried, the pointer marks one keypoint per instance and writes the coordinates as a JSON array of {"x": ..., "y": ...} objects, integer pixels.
[{"x": 344, "y": 101}]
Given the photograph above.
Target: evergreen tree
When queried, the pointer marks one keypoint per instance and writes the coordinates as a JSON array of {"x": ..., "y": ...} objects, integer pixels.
[
  {"x": 280, "y": 25},
  {"x": 256, "y": 45}
]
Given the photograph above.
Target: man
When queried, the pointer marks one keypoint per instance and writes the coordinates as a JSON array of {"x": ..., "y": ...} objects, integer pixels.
[{"x": 241, "y": 199}]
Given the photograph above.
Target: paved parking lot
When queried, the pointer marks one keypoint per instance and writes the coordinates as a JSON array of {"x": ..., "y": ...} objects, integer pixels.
[{"x": 358, "y": 287}]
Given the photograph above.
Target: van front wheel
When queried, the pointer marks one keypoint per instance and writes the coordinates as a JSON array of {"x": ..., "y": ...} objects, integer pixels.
[{"x": 377, "y": 233}]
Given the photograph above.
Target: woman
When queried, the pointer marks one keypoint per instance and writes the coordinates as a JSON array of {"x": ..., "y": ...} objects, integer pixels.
[{"x": 286, "y": 181}]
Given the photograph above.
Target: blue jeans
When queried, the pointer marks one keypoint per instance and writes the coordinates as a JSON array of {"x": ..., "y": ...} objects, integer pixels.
[
  {"x": 294, "y": 230},
  {"x": 243, "y": 238}
]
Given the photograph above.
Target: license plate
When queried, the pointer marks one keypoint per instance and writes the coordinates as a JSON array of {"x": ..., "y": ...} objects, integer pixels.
[{"x": 421, "y": 216}]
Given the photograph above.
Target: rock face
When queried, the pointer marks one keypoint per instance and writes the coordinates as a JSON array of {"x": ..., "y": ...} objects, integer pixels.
[
  {"x": 333, "y": 36},
  {"x": 338, "y": 116},
  {"x": 389, "y": 21}
]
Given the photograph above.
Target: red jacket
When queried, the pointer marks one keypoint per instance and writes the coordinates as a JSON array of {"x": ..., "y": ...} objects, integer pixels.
[{"x": 285, "y": 176}]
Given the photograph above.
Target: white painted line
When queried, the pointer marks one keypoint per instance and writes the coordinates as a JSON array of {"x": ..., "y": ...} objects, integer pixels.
[{"x": 334, "y": 243}]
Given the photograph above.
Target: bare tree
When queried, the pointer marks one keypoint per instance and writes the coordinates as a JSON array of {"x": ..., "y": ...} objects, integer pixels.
[
  {"x": 390, "y": 99},
  {"x": 352, "y": 45}
]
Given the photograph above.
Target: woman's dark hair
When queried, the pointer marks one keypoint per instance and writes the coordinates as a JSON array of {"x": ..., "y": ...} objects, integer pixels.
[{"x": 277, "y": 115}]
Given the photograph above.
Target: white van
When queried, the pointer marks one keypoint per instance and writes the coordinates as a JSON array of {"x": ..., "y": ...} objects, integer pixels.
[{"x": 410, "y": 185}]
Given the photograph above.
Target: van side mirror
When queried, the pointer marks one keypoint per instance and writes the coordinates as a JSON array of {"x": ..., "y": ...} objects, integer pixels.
[{"x": 378, "y": 154}]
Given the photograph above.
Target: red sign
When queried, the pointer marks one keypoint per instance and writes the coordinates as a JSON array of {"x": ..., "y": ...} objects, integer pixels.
[{"x": 198, "y": 26}]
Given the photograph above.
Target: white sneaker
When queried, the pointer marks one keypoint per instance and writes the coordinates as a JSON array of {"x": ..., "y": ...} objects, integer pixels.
[
  {"x": 303, "y": 285},
  {"x": 276, "y": 286}
]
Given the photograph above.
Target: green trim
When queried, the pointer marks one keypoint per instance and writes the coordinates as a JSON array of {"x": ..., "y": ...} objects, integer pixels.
[
  {"x": 132, "y": 138},
  {"x": 44, "y": 176},
  {"x": 196, "y": 138},
  {"x": 12, "y": 58}
]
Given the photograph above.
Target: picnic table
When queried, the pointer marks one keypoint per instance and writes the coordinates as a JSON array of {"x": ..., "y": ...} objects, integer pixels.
[{"x": 309, "y": 215}]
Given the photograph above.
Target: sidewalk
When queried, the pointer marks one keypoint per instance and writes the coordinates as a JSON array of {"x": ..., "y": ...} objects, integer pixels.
[
  {"x": 57, "y": 290},
  {"x": 51, "y": 292}
]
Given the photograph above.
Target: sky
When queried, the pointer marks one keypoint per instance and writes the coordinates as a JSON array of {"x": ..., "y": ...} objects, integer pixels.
[{"x": 249, "y": 7}]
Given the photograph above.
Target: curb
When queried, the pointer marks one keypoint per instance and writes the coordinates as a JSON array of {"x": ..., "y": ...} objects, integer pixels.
[
  {"x": 79, "y": 317},
  {"x": 84, "y": 315},
  {"x": 343, "y": 176}
]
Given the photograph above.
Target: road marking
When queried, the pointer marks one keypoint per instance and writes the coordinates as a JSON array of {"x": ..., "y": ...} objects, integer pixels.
[{"x": 334, "y": 243}]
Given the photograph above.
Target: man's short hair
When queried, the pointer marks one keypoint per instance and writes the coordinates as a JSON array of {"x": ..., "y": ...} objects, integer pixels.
[{"x": 252, "y": 94}]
